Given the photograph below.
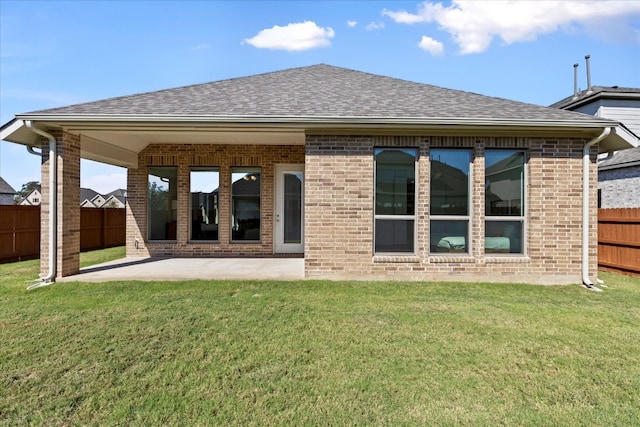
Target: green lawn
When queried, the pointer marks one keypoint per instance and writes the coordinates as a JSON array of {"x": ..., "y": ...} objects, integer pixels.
[{"x": 316, "y": 353}]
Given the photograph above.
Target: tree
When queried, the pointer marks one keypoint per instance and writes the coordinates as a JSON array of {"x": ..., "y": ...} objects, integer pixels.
[
  {"x": 25, "y": 190},
  {"x": 158, "y": 197}
]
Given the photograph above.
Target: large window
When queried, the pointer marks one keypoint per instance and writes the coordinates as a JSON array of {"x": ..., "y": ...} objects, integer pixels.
[
  {"x": 450, "y": 200},
  {"x": 162, "y": 203},
  {"x": 245, "y": 204},
  {"x": 504, "y": 201},
  {"x": 395, "y": 200},
  {"x": 204, "y": 203}
]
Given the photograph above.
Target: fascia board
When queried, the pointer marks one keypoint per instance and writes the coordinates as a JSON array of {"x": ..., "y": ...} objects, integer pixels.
[{"x": 309, "y": 121}]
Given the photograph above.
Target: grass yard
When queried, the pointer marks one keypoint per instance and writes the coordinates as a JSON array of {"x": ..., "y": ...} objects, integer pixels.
[{"x": 316, "y": 353}]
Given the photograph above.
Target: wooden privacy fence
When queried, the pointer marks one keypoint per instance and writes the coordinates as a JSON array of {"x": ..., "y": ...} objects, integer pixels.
[
  {"x": 619, "y": 240},
  {"x": 20, "y": 231}
]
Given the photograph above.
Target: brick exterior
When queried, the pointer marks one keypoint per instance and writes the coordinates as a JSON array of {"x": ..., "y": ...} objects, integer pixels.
[
  {"x": 68, "y": 247},
  {"x": 620, "y": 188},
  {"x": 339, "y": 201},
  {"x": 224, "y": 157},
  {"x": 339, "y": 212}
]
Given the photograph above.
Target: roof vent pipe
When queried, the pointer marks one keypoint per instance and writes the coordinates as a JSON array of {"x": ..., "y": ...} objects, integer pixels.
[
  {"x": 588, "y": 73},
  {"x": 575, "y": 81}
]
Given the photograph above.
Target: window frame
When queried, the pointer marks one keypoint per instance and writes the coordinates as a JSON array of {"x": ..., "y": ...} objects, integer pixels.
[
  {"x": 215, "y": 169},
  {"x": 458, "y": 218},
  {"x": 246, "y": 170},
  {"x": 174, "y": 212},
  {"x": 416, "y": 153},
  {"x": 524, "y": 205}
]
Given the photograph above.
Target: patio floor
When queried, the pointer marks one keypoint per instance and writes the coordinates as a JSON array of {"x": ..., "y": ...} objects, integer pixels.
[{"x": 147, "y": 269}]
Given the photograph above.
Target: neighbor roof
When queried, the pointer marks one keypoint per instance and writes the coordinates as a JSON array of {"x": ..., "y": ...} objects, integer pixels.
[
  {"x": 315, "y": 91},
  {"x": 5, "y": 188},
  {"x": 595, "y": 93},
  {"x": 622, "y": 159}
]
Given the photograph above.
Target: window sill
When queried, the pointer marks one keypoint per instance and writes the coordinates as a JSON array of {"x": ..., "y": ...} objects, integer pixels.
[
  {"x": 506, "y": 259},
  {"x": 381, "y": 259},
  {"x": 445, "y": 259}
]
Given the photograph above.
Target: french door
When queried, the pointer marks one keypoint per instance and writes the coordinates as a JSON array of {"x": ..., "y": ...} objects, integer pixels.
[{"x": 289, "y": 209}]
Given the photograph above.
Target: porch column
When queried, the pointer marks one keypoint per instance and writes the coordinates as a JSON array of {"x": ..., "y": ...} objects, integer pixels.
[{"x": 68, "y": 200}]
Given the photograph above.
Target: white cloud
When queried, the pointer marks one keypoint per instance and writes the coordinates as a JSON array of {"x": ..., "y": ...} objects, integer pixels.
[
  {"x": 293, "y": 37},
  {"x": 473, "y": 24},
  {"x": 352, "y": 23},
  {"x": 201, "y": 47},
  {"x": 434, "y": 47},
  {"x": 375, "y": 26}
]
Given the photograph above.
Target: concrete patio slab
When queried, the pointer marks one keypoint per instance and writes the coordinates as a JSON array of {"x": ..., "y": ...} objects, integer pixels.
[{"x": 151, "y": 269}]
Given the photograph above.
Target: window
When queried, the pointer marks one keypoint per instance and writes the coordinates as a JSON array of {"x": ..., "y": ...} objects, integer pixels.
[
  {"x": 204, "y": 203},
  {"x": 245, "y": 204},
  {"x": 450, "y": 200},
  {"x": 504, "y": 201},
  {"x": 162, "y": 203},
  {"x": 395, "y": 180}
]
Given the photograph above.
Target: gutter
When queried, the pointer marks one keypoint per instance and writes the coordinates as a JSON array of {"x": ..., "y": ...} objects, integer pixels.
[
  {"x": 585, "y": 209},
  {"x": 142, "y": 120},
  {"x": 53, "y": 206}
]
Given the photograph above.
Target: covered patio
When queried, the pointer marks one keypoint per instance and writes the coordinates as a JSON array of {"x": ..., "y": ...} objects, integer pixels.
[{"x": 178, "y": 269}]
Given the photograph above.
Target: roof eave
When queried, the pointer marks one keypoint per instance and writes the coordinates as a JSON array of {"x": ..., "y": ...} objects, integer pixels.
[
  {"x": 310, "y": 121},
  {"x": 579, "y": 102}
]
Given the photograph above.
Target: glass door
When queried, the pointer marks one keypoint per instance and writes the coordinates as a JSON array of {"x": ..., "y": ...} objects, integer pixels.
[{"x": 289, "y": 212}]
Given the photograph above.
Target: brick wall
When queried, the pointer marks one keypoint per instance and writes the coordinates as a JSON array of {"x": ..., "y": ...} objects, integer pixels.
[
  {"x": 620, "y": 188},
  {"x": 339, "y": 212},
  {"x": 68, "y": 200},
  {"x": 224, "y": 157}
]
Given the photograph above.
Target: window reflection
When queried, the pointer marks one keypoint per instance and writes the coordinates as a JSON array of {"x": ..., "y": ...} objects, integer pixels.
[
  {"x": 162, "y": 203},
  {"x": 395, "y": 200},
  {"x": 450, "y": 182},
  {"x": 204, "y": 204},
  {"x": 504, "y": 201},
  {"x": 245, "y": 204}
]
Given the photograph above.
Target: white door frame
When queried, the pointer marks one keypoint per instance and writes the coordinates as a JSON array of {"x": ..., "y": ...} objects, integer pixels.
[{"x": 278, "y": 217}]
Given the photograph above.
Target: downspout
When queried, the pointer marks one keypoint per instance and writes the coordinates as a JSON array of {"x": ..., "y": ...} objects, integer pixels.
[
  {"x": 53, "y": 206},
  {"x": 585, "y": 208}
]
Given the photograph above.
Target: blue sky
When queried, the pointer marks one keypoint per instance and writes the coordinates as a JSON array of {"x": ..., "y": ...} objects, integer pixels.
[{"x": 60, "y": 53}]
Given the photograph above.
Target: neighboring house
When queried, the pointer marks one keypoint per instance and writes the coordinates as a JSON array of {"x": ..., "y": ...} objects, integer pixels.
[
  {"x": 619, "y": 173},
  {"x": 115, "y": 199},
  {"x": 33, "y": 198},
  {"x": 7, "y": 193},
  {"x": 365, "y": 176},
  {"x": 619, "y": 180},
  {"x": 89, "y": 198}
]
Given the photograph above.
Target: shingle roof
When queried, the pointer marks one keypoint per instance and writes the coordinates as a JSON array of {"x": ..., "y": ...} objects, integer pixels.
[
  {"x": 87, "y": 194},
  {"x": 5, "y": 188},
  {"x": 597, "y": 92},
  {"x": 622, "y": 159},
  {"x": 118, "y": 194},
  {"x": 317, "y": 91}
]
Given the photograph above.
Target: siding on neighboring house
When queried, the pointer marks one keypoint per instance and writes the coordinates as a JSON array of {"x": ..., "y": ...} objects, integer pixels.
[{"x": 619, "y": 188}]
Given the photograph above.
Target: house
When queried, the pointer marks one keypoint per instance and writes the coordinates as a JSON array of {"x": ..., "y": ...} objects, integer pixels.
[
  {"x": 364, "y": 176},
  {"x": 7, "y": 193},
  {"x": 33, "y": 198},
  {"x": 89, "y": 198},
  {"x": 619, "y": 172},
  {"x": 619, "y": 180},
  {"x": 115, "y": 199}
]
